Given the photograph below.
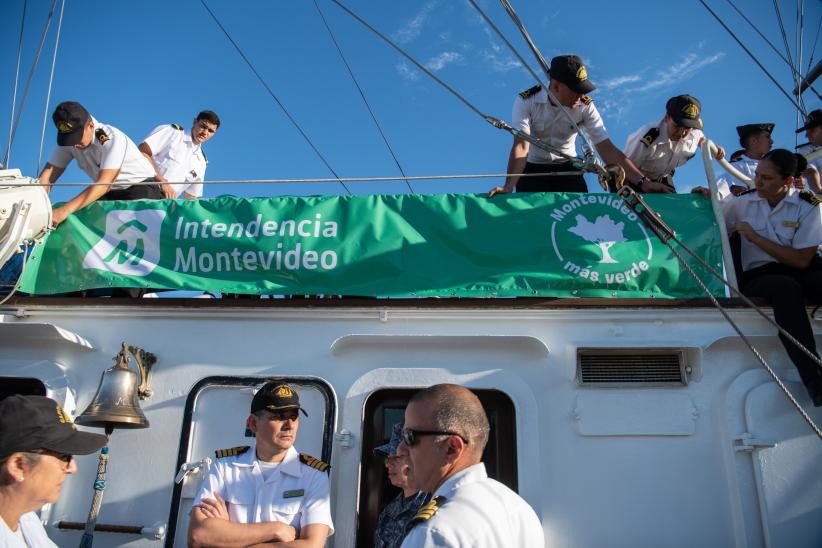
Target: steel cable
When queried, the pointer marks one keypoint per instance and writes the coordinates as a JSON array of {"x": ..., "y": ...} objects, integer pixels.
[
  {"x": 273, "y": 95},
  {"x": 16, "y": 80},
  {"x": 362, "y": 94},
  {"x": 51, "y": 80}
]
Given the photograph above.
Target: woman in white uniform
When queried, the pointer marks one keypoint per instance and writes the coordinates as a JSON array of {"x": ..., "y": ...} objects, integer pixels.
[
  {"x": 781, "y": 231},
  {"x": 37, "y": 444}
]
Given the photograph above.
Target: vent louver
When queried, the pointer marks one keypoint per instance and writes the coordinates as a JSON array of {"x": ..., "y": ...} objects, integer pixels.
[{"x": 621, "y": 367}]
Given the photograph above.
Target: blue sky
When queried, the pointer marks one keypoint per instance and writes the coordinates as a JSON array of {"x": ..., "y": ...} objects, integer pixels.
[{"x": 135, "y": 65}]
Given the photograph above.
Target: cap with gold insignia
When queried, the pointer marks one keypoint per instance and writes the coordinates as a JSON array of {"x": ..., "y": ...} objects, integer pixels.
[
  {"x": 813, "y": 119},
  {"x": 276, "y": 397},
  {"x": 71, "y": 119},
  {"x": 749, "y": 129},
  {"x": 684, "y": 110},
  {"x": 569, "y": 70},
  {"x": 30, "y": 423}
]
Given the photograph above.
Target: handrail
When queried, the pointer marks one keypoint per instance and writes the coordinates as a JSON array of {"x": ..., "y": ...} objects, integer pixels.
[
  {"x": 726, "y": 164},
  {"x": 708, "y": 151}
]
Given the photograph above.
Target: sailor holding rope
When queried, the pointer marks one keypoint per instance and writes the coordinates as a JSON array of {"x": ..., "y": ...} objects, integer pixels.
[
  {"x": 536, "y": 114},
  {"x": 657, "y": 149}
]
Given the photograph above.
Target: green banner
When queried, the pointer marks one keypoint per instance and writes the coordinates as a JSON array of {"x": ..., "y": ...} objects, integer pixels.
[{"x": 551, "y": 245}]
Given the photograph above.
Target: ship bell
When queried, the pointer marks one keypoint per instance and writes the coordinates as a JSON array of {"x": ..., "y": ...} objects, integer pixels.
[{"x": 115, "y": 405}]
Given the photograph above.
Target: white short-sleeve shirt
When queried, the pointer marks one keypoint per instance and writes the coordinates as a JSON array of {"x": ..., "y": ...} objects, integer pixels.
[
  {"x": 478, "y": 512},
  {"x": 807, "y": 148},
  {"x": 793, "y": 222},
  {"x": 537, "y": 116},
  {"x": 178, "y": 158},
  {"x": 294, "y": 493},
  {"x": 30, "y": 534},
  {"x": 746, "y": 166},
  {"x": 655, "y": 154},
  {"x": 110, "y": 149}
]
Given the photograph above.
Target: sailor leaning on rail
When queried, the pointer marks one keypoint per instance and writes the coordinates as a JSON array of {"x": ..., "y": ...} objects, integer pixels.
[
  {"x": 104, "y": 153},
  {"x": 813, "y": 131},
  {"x": 177, "y": 155},
  {"x": 264, "y": 493},
  {"x": 781, "y": 230},
  {"x": 536, "y": 114},
  {"x": 658, "y": 148},
  {"x": 756, "y": 142}
]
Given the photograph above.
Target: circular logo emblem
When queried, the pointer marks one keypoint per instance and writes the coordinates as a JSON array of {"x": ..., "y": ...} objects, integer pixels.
[{"x": 598, "y": 238}]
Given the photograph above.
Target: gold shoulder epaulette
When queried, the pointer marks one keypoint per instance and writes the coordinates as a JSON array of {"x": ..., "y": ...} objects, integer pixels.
[
  {"x": 650, "y": 137},
  {"x": 102, "y": 136},
  {"x": 747, "y": 191},
  {"x": 810, "y": 197},
  {"x": 177, "y": 126},
  {"x": 313, "y": 462},
  {"x": 586, "y": 100},
  {"x": 425, "y": 512},
  {"x": 231, "y": 451},
  {"x": 530, "y": 91}
]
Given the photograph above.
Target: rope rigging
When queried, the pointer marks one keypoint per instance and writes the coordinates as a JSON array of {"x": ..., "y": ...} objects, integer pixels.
[
  {"x": 16, "y": 80},
  {"x": 28, "y": 81},
  {"x": 51, "y": 81},
  {"x": 362, "y": 94},
  {"x": 497, "y": 123},
  {"x": 273, "y": 95},
  {"x": 652, "y": 220},
  {"x": 796, "y": 76},
  {"x": 770, "y": 44},
  {"x": 750, "y": 54}
]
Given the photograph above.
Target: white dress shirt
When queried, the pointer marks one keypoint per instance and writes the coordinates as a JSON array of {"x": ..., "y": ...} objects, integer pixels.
[
  {"x": 30, "y": 534},
  {"x": 661, "y": 155},
  {"x": 178, "y": 158}
]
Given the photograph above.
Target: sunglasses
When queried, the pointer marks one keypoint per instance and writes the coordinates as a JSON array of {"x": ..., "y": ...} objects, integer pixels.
[
  {"x": 65, "y": 457},
  {"x": 410, "y": 436}
]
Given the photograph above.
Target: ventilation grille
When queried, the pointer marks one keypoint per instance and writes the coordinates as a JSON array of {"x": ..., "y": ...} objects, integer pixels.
[{"x": 631, "y": 368}]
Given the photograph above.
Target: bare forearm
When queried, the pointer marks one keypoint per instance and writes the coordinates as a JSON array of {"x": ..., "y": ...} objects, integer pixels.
[
  {"x": 796, "y": 258},
  {"x": 517, "y": 159},
  {"x": 219, "y": 532},
  {"x": 612, "y": 155}
]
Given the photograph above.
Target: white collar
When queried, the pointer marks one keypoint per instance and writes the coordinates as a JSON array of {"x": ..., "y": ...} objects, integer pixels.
[
  {"x": 471, "y": 474},
  {"x": 290, "y": 464}
]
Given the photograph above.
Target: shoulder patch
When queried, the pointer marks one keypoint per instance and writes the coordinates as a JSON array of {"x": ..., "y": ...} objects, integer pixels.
[
  {"x": 313, "y": 462},
  {"x": 231, "y": 451},
  {"x": 177, "y": 126},
  {"x": 650, "y": 137},
  {"x": 102, "y": 136},
  {"x": 810, "y": 197},
  {"x": 747, "y": 191},
  {"x": 586, "y": 100},
  {"x": 530, "y": 91},
  {"x": 425, "y": 512}
]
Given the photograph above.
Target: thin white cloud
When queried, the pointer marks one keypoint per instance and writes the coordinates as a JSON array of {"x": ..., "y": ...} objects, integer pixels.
[
  {"x": 680, "y": 71},
  {"x": 619, "y": 81},
  {"x": 500, "y": 63},
  {"x": 412, "y": 29},
  {"x": 439, "y": 62},
  {"x": 406, "y": 71}
]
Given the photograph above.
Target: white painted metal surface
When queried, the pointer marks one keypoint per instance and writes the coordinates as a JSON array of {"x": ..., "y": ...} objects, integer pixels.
[{"x": 602, "y": 467}]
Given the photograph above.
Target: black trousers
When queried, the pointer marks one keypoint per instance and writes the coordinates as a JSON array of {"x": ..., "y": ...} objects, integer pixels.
[
  {"x": 551, "y": 183},
  {"x": 788, "y": 290},
  {"x": 140, "y": 191}
]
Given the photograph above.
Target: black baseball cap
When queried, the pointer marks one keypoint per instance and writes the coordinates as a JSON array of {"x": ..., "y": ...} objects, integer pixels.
[
  {"x": 70, "y": 118},
  {"x": 813, "y": 119},
  {"x": 29, "y": 423},
  {"x": 569, "y": 70},
  {"x": 748, "y": 129},
  {"x": 276, "y": 397},
  {"x": 684, "y": 110}
]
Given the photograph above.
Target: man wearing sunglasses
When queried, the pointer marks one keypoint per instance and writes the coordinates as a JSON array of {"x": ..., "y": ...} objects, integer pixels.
[
  {"x": 657, "y": 149},
  {"x": 266, "y": 493},
  {"x": 445, "y": 433}
]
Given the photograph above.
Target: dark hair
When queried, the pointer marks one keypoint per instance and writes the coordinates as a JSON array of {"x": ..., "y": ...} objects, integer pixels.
[
  {"x": 737, "y": 155},
  {"x": 210, "y": 117},
  {"x": 787, "y": 163}
]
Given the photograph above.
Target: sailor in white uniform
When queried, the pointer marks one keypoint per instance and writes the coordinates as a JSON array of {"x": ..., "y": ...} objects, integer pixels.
[
  {"x": 177, "y": 155},
  {"x": 444, "y": 452},
  {"x": 104, "y": 153},
  {"x": 813, "y": 131},
  {"x": 535, "y": 113},
  {"x": 657, "y": 149},
  {"x": 756, "y": 141},
  {"x": 267, "y": 492}
]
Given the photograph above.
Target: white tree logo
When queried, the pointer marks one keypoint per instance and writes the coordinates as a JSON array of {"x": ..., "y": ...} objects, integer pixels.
[{"x": 603, "y": 232}]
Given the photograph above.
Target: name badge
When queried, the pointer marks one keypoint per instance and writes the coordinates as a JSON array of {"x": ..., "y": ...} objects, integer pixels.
[
  {"x": 294, "y": 493},
  {"x": 791, "y": 224}
]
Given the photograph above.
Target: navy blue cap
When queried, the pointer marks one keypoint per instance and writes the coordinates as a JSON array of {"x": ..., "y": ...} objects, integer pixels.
[{"x": 388, "y": 449}]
